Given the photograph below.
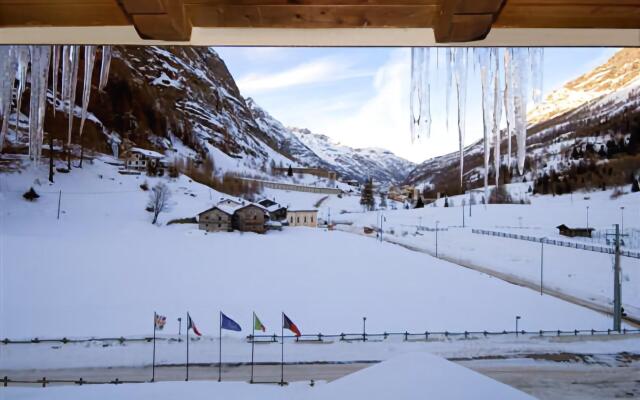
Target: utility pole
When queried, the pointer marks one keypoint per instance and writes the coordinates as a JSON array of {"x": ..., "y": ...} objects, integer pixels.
[
  {"x": 617, "y": 286},
  {"x": 587, "y": 217},
  {"x": 59, "y": 200},
  {"x": 437, "y": 239},
  {"x": 617, "y": 306},
  {"x": 541, "y": 264},
  {"x": 463, "y": 212}
]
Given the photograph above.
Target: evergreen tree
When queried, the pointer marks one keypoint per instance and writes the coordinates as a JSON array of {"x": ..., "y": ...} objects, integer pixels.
[
  {"x": 366, "y": 199},
  {"x": 290, "y": 171},
  {"x": 419, "y": 203}
]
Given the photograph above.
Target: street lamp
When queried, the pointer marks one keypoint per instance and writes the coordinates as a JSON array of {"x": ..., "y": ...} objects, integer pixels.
[
  {"x": 364, "y": 329},
  {"x": 179, "y": 327},
  {"x": 622, "y": 218},
  {"x": 517, "y": 319}
]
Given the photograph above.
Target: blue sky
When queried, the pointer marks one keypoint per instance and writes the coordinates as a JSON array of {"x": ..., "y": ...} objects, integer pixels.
[{"x": 360, "y": 96}]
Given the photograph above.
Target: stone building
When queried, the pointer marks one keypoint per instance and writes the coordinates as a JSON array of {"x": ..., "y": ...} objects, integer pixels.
[{"x": 303, "y": 218}]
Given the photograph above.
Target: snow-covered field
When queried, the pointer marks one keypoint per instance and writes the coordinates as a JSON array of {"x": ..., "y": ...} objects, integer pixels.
[
  {"x": 102, "y": 269},
  {"x": 584, "y": 274}
]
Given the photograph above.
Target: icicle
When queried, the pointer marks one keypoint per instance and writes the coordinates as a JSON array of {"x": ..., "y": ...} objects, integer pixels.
[
  {"x": 536, "y": 55},
  {"x": 55, "y": 54},
  {"x": 483, "y": 60},
  {"x": 40, "y": 56},
  {"x": 70, "y": 55},
  {"x": 508, "y": 102},
  {"x": 497, "y": 111},
  {"x": 519, "y": 85},
  {"x": 89, "y": 60},
  {"x": 460, "y": 63},
  {"x": 23, "y": 65},
  {"x": 8, "y": 67},
  {"x": 420, "y": 96},
  {"x": 448, "y": 59},
  {"x": 104, "y": 67}
]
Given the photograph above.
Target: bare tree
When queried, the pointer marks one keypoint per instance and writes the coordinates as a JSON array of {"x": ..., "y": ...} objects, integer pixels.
[{"x": 158, "y": 200}]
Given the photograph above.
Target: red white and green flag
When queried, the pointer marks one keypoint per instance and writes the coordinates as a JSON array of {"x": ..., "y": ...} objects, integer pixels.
[{"x": 257, "y": 325}]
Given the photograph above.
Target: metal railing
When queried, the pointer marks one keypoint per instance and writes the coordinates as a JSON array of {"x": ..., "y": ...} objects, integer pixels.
[{"x": 556, "y": 242}]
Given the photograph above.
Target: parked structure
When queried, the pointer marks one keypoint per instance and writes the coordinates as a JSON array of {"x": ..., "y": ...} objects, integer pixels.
[
  {"x": 573, "y": 232},
  {"x": 303, "y": 218},
  {"x": 141, "y": 159}
]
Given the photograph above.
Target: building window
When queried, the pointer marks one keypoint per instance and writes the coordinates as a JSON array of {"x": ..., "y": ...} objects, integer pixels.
[
  {"x": 312, "y": 219},
  {"x": 297, "y": 220},
  {"x": 291, "y": 219},
  {"x": 219, "y": 218},
  {"x": 219, "y": 225},
  {"x": 305, "y": 219}
]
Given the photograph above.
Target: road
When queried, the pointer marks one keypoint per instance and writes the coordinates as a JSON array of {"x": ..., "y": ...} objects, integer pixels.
[{"x": 545, "y": 376}]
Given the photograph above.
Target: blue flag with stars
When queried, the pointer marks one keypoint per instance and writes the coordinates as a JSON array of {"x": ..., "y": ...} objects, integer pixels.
[{"x": 228, "y": 324}]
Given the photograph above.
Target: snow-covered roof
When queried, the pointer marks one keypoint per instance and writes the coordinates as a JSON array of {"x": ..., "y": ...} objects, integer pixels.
[
  {"x": 275, "y": 207},
  {"x": 302, "y": 210},
  {"x": 146, "y": 153},
  {"x": 230, "y": 206}
]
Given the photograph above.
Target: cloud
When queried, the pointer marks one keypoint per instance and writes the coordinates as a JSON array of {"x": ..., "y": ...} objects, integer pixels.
[
  {"x": 321, "y": 70},
  {"x": 382, "y": 120}
]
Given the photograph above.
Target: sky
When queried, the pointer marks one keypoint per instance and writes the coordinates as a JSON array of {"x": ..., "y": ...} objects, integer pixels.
[{"x": 360, "y": 96}]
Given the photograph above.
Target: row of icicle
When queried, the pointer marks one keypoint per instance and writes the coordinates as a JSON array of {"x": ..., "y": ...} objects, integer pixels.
[
  {"x": 504, "y": 75},
  {"x": 32, "y": 64}
]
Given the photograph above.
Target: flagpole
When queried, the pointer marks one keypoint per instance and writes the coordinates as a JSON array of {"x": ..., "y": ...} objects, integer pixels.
[
  {"x": 220, "y": 352},
  {"x": 282, "y": 359},
  {"x": 153, "y": 363},
  {"x": 253, "y": 342},
  {"x": 188, "y": 319}
]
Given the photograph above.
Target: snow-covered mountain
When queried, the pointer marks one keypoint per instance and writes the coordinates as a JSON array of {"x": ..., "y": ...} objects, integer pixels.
[
  {"x": 379, "y": 164},
  {"x": 597, "y": 109},
  {"x": 621, "y": 70},
  {"x": 184, "y": 101},
  {"x": 317, "y": 150}
]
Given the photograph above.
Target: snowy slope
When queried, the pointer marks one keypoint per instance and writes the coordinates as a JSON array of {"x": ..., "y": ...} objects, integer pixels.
[
  {"x": 618, "y": 72},
  {"x": 593, "y": 108}
]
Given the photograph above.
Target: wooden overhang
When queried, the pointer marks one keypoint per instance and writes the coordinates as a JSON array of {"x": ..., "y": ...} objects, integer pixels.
[{"x": 452, "y": 21}]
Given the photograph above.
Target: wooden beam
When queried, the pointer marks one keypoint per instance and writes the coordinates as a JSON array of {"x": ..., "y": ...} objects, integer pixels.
[
  {"x": 311, "y": 16},
  {"x": 16, "y": 13},
  {"x": 465, "y": 20},
  {"x": 579, "y": 14},
  {"x": 159, "y": 19}
]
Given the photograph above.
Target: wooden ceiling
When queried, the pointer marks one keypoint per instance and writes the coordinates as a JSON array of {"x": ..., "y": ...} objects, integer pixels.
[{"x": 452, "y": 20}]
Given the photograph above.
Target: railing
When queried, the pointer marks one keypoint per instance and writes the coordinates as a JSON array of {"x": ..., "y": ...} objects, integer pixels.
[
  {"x": 307, "y": 338},
  {"x": 362, "y": 336},
  {"x": 555, "y": 242}
]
